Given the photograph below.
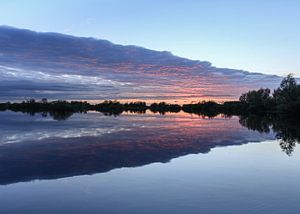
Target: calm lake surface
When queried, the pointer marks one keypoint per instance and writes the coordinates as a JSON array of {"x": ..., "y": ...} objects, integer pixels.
[{"x": 144, "y": 163}]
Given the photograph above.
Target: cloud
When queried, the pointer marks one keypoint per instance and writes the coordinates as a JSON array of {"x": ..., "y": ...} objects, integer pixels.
[{"x": 22, "y": 83}]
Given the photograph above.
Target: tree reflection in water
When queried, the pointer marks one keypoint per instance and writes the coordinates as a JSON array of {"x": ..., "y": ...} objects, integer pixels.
[{"x": 287, "y": 130}]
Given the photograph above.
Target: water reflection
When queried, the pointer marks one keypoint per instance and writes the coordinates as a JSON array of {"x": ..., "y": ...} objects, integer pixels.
[
  {"x": 56, "y": 115},
  {"x": 40, "y": 147},
  {"x": 287, "y": 130}
]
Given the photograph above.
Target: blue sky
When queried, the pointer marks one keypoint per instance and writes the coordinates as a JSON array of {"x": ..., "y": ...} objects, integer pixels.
[{"x": 260, "y": 36}]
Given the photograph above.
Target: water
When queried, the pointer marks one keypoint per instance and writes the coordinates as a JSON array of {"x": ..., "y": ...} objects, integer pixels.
[{"x": 151, "y": 163}]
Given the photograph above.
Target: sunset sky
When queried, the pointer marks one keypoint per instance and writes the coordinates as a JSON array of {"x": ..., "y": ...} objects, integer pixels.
[{"x": 254, "y": 35}]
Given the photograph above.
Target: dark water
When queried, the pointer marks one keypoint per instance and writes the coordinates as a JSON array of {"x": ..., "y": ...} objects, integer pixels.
[{"x": 150, "y": 163}]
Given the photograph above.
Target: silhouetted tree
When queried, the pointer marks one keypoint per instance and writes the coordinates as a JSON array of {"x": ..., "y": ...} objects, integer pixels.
[{"x": 287, "y": 92}]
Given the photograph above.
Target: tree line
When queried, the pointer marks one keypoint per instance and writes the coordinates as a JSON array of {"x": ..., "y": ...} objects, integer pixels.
[{"x": 285, "y": 99}]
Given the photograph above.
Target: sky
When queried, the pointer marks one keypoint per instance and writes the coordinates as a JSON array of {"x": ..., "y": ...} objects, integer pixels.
[{"x": 253, "y": 35}]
